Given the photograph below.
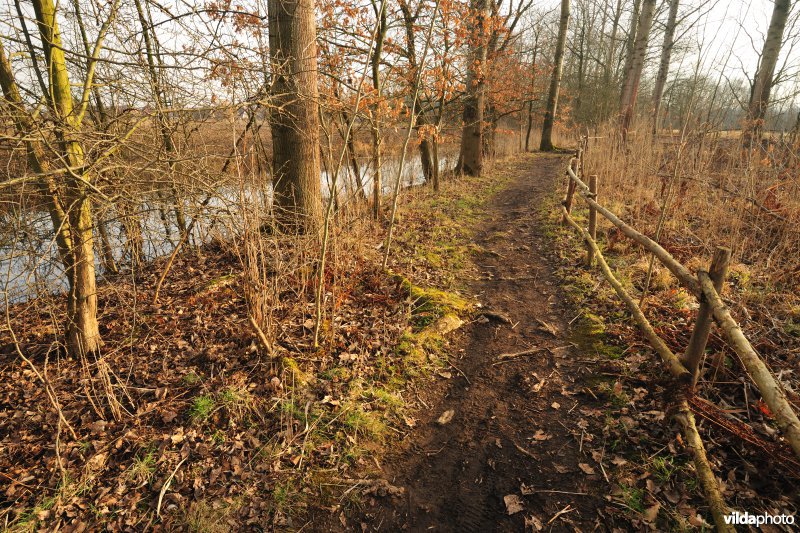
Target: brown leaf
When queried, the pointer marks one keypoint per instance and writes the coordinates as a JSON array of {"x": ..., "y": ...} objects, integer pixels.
[
  {"x": 513, "y": 504},
  {"x": 587, "y": 469},
  {"x": 446, "y": 417},
  {"x": 540, "y": 435},
  {"x": 651, "y": 513}
]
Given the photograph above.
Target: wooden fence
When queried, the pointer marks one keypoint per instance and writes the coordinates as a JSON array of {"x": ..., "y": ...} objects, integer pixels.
[{"x": 685, "y": 369}]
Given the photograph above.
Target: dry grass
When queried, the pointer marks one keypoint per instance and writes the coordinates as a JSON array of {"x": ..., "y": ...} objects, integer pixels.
[{"x": 712, "y": 193}]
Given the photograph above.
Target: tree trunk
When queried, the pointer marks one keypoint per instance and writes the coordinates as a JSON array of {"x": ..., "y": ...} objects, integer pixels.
[
  {"x": 83, "y": 335},
  {"x": 471, "y": 152},
  {"x": 295, "y": 120},
  {"x": 530, "y": 127},
  {"x": 375, "y": 60},
  {"x": 546, "y": 143},
  {"x": 663, "y": 67},
  {"x": 762, "y": 85},
  {"x": 608, "y": 70},
  {"x": 630, "y": 42},
  {"x": 425, "y": 155},
  {"x": 630, "y": 89}
]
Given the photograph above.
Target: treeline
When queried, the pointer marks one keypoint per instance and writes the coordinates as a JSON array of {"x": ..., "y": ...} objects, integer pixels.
[{"x": 112, "y": 110}]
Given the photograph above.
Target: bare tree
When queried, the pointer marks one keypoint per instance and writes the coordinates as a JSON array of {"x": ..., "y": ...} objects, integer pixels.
[
  {"x": 663, "y": 67},
  {"x": 558, "y": 65},
  {"x": 63, "y": 178},
  {"x": 375, "y": 61},
  {"x": 471, "y": 154},
  {"x": 630, "y": 88},
  {"x": 764, "y": 79}
]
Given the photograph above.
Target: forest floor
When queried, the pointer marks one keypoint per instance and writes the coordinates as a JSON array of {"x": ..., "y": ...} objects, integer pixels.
[
  {"x": 518, "y": 449},
  {"x": 552, "y": 417},
  {"x": 536, "y": 414}
]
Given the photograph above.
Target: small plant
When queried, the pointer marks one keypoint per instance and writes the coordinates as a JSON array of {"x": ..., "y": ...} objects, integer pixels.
[
  {"x": 218, "y": 437},
  {"x": 663, "y": 468},
  {"x": 142, "y": 469},
  {"x": 237, "y": 401},
  {"x": 285, "y": 496},
  {"x": 201, "y": 408},
  {"x": 191, "y": 379},
  {"x": 633, "y": 498}
]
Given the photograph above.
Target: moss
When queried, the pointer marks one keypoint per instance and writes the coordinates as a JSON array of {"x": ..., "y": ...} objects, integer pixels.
[
  {"x": 298, "y": 375},
  {"x": 592, "y": 324},
  {"x": 201, "y": 408},
  {"x": 217, "y": 283},
  {"x": 792, "y": 327},
  {"x": 210, "y": 516},
  {"x": 740, "y": 276},
  {"x": 364, "y": 423}
]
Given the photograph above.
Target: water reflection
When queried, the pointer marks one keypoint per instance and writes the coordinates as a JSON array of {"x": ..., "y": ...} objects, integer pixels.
[{"x": 29, "y": 263}]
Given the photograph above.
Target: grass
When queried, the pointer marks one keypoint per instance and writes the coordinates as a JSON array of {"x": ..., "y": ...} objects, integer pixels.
[
  {"x": 202, "y": 407},
  {"x": 142, "y": 468},
  {"x": 209, "y": 516}
]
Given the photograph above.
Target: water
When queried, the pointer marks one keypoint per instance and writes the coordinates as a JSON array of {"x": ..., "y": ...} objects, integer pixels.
[{"x": 29, "y": 262}]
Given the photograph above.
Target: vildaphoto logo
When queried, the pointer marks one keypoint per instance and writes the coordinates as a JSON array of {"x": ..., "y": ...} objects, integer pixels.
[{"x": 746, "y": 519}]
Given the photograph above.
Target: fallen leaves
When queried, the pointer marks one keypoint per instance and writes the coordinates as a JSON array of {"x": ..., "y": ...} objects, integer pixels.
[
  {"x": 446, "y": 417},
  {"x": 513, "y": 503}
]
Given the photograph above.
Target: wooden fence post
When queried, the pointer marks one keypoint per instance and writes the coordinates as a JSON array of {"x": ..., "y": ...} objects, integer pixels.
[
  {"x": 570, "y": 190},
  {"x": 592, "y": 220},
  {"x": 697, "y": 343}
]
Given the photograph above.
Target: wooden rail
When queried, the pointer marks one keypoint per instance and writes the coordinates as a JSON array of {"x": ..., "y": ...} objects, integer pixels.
[{"x": 706, "y": 286}]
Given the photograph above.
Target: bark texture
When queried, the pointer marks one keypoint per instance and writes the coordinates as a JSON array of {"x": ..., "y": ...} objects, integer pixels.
[
  {"x": 295, "y": 121},
  {"x": 765, "y": 76},
  {"x": 558, "y": 64},
  {"x": 471, "y": 153},
  {"x": 83, "y": 335},
  {"x": 663, "y": 66},
  {"x": 633, "y": 76}
]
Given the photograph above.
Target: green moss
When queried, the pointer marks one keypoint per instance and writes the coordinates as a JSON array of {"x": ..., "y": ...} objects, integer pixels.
[
  {"x": 792, "y": 327},
  {"x": 592, "y": 324},
  {"x": 365, "y": 423},
  {"x": 216, "y": 283},
  {"x": 298, "y": 375},
  {"x": 201, "y": 408},
  {"x": 634, "y": 498},
  {"x": 190, "y": 379}
]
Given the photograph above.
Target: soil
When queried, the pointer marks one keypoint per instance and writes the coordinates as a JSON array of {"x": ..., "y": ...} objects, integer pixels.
[{"x": 515, "y": 434}]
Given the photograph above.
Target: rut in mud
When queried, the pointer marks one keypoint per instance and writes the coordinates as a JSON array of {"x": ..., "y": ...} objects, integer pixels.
[{"x": 517, "y": 437}]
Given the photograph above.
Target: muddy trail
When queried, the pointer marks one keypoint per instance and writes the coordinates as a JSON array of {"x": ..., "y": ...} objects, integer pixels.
[{"x": 515, "y": 455}]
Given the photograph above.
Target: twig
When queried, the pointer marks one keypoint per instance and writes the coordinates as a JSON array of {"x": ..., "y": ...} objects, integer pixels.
[
  {"x": 565, "y": 510},
  {"x": 531, "y": 351},
  {"x": 462, "y": 373},
  {"x": 165, "y": 488},
  {"x": 543, "y": 491},
  {"x": 262, "y": 337},
  {"x": 526, "y": 452}
]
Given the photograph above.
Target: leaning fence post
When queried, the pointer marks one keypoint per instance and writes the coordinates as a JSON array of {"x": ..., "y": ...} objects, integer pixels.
[
  {"x": 592, "y": 219},
  {"x": 697, "y": 343},
  {"x": 570, "y": 190}
]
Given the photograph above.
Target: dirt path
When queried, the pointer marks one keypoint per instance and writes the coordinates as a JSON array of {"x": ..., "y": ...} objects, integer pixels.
[{"x": 457, "y": 475}]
